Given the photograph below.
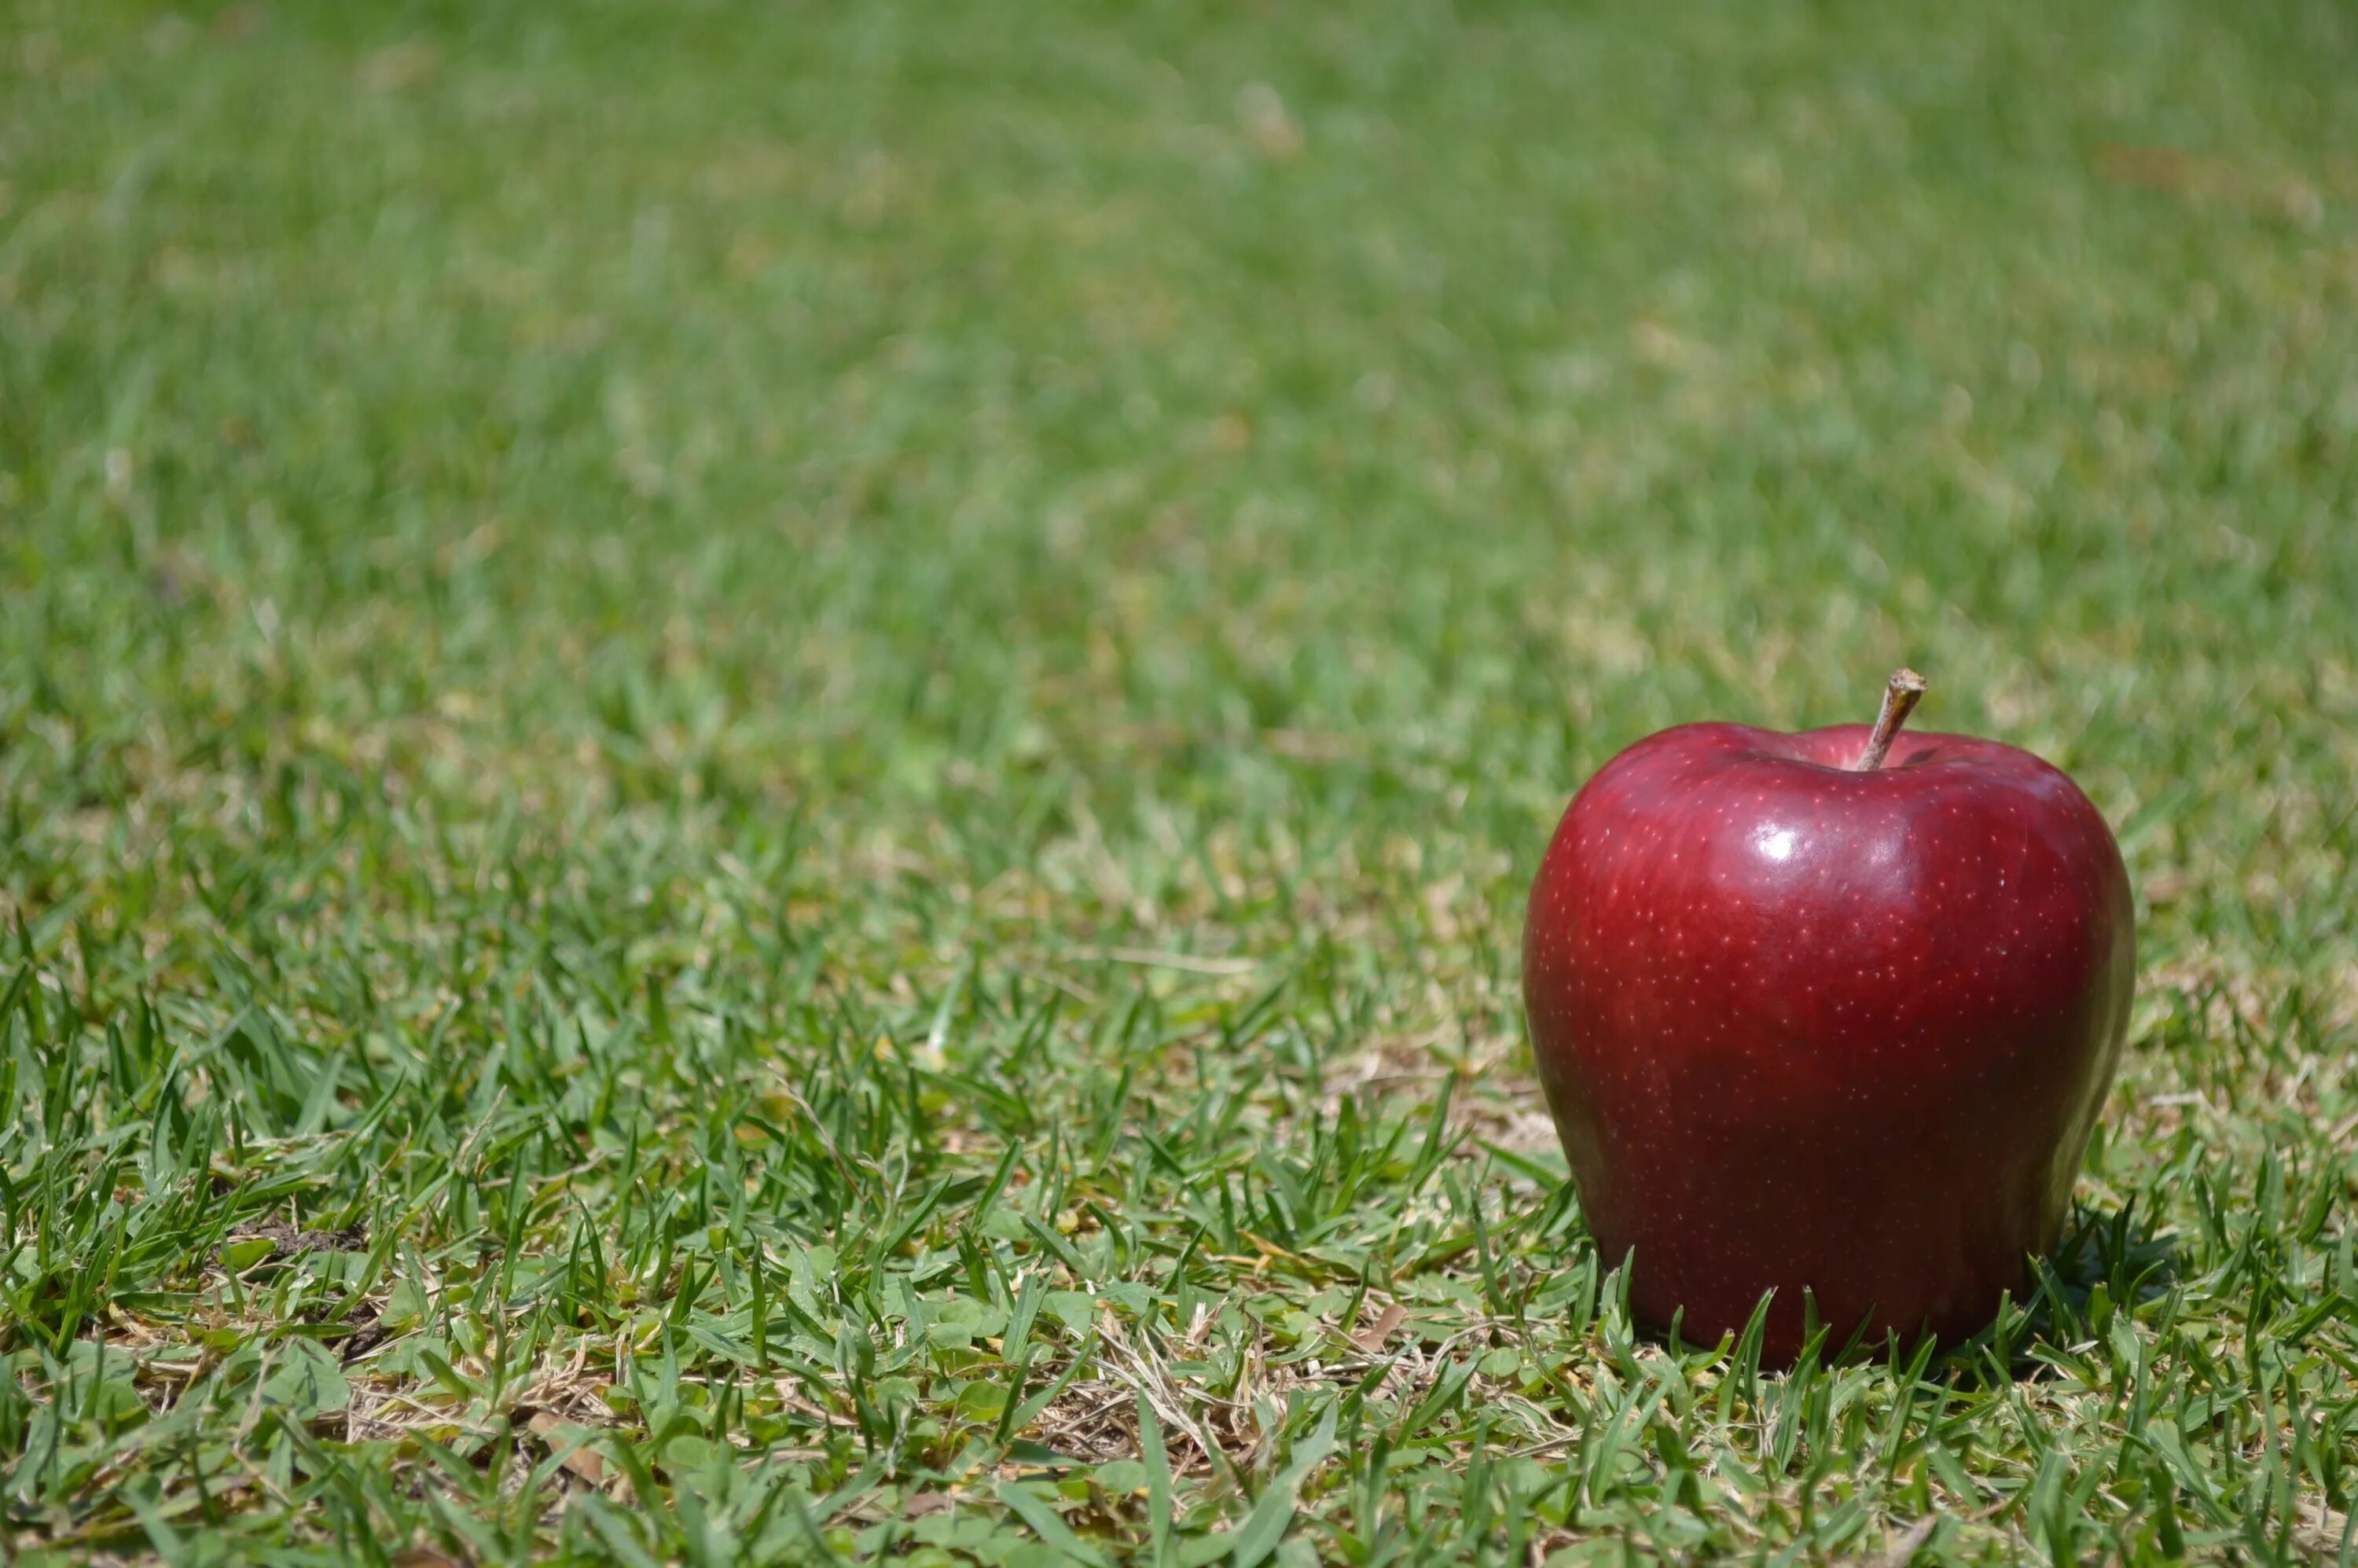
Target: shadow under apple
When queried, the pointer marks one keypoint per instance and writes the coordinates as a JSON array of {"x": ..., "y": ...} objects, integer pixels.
[{"x": 2106, "y": 1263}]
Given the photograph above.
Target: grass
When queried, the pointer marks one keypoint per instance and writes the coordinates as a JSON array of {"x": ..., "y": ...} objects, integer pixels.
[{"x": 767, "y": 770}]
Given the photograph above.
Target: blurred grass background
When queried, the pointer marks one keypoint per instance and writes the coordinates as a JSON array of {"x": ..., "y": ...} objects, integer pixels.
[{"x": 807, "y": 519}]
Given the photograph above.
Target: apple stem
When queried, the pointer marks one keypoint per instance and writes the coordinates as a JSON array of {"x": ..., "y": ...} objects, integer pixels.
[{"x": 1900, "y": 696}]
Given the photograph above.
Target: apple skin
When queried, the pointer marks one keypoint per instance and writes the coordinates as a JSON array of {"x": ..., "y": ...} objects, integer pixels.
[{"x": 1805, "y": 1027}]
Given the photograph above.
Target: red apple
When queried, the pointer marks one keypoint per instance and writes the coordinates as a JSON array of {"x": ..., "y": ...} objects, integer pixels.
[{"x": 1818, "y": 1012}]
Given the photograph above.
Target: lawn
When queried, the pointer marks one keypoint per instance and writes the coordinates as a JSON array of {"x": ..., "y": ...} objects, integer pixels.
[{"x": 766, "y": 771}]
